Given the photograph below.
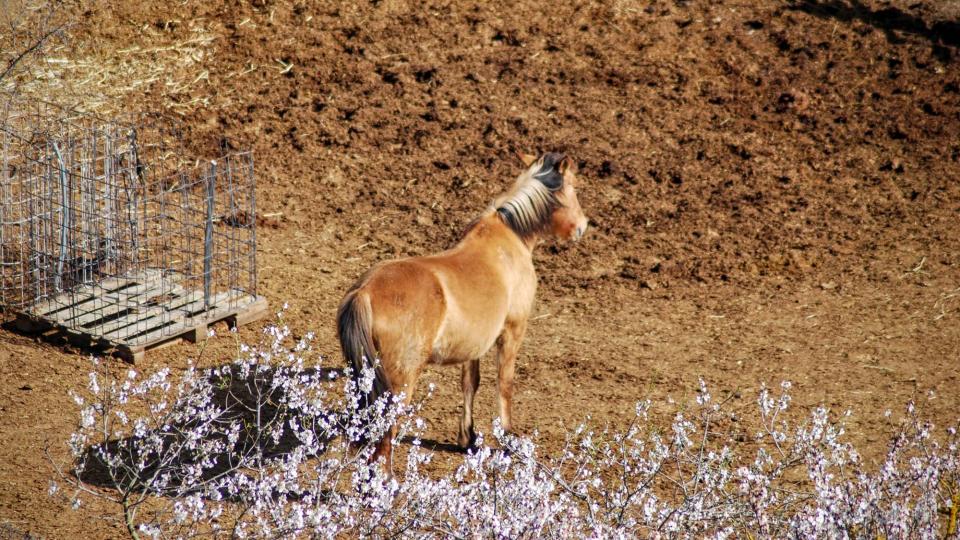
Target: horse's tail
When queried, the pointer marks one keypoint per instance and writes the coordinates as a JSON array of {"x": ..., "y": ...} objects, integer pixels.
[{"x": 354, "y": 327}]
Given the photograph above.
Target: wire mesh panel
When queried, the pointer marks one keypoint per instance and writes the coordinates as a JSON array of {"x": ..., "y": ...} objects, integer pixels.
[{"x": 110, "y": 231}]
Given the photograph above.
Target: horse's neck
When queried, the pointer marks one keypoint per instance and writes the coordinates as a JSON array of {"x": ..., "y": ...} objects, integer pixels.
[{"x": 489, "y": 228}]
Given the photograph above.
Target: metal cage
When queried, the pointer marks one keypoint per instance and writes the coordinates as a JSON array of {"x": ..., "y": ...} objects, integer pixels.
[{"x": 110, "y": 231}]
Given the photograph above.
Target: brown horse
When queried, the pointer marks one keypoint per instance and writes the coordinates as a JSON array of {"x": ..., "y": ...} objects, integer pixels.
[{"x": 452, "y": 307}]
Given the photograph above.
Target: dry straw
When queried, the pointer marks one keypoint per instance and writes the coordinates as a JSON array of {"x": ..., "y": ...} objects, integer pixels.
[{"x": 63, "y": 65}]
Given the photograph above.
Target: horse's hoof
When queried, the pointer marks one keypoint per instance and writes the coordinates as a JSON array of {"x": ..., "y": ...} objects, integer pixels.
[{"x": 468, "y": 443}]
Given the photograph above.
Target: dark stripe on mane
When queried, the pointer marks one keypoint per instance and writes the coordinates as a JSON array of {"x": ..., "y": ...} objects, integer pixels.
[
  {"x": 548, "y": 174},
  {"x": 527, "y": 212}
]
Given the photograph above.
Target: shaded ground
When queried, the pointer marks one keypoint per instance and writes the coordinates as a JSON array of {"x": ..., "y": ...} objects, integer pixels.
[{"x": 773, "y": 190}]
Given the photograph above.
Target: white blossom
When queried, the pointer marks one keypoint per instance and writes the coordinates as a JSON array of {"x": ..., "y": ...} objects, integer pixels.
[{"x": 269, "y": 446}]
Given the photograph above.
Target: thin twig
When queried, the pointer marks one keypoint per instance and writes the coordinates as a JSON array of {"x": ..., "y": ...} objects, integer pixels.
[{"x": 30, "y": 50}]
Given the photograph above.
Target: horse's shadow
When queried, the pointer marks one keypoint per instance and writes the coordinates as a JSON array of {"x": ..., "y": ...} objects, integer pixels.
[
  {"x": 435, "y": 445},
  {"x": 173, "y": 464}
]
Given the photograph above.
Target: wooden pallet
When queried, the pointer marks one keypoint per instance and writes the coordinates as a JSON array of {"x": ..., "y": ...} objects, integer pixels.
[{"x": 139, "y": 312}]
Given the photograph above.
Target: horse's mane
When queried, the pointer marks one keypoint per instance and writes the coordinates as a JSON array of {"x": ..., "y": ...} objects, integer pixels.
[{"x": 527, "y": 207}]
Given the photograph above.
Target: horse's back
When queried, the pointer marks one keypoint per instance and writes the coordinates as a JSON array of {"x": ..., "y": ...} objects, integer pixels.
[
  {"x": 408, "y": 305},
  {"x": 452, "y": 306}
]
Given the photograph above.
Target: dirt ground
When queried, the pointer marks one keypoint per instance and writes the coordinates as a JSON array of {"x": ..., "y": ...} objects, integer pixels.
[{"x": 774, "y": 195}]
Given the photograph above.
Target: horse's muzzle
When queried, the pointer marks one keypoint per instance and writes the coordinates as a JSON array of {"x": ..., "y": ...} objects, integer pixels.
[{"x": 580, "y": 231}]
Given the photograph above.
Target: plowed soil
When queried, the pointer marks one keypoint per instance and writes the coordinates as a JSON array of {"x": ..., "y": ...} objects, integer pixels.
[{"x": 773, "y": 187}]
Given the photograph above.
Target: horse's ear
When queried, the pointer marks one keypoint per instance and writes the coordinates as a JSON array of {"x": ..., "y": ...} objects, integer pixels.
[
  {"x": 527, "y": 159},
  {"x": 565, "y": 164}
]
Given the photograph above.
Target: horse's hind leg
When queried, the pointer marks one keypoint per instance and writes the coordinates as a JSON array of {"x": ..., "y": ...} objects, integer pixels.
[
  {"x": 405, "y": 383},
  {"x": 385, "y": 449},
  {"x": 507, "y": 346},
  {"x": 471, "y": 381}
]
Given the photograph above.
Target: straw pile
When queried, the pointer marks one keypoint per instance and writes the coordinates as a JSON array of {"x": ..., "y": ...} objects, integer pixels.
[{"x": 48, "y": 54}]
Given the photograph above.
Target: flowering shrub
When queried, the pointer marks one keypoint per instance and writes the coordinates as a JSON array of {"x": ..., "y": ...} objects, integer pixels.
[{"x": 266, "y": 447}]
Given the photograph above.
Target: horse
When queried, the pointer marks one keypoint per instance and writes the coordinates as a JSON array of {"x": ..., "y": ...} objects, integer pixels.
[{"x": 451, "y": 308}]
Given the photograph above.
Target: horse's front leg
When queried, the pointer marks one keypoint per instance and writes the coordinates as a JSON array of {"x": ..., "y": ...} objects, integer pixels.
[
  {"x": 471, "y": 381},
  {"x": 507, "y": 346}
]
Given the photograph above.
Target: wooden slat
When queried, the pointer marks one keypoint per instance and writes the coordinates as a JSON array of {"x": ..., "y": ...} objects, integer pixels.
[
  {"x": 112, "y": 308},
  {"x": 147, "y": 321},
  {"x": 138, "y": 326},
  {"x": 65, "y": 300},
  {"x": 108, "y": 304},
  {"x": 251, "y": 312},
  {"x": 86, "y": 293},
  {"x": 142, "y": 318},
  {"x": 219, "y": 309}
]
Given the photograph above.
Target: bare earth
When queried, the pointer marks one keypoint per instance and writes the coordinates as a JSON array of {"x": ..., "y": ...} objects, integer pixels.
[{"x": 774, "y": 195}]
